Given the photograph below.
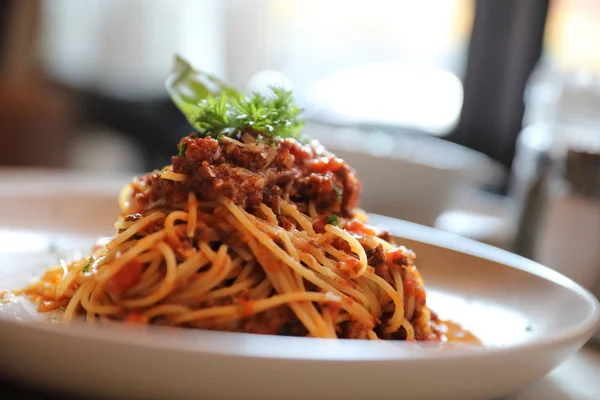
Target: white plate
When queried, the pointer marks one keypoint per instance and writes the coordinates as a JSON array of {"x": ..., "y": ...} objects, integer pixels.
[
  {"x": 529, "y": 317},
  {"x": 444, "y": 169}
]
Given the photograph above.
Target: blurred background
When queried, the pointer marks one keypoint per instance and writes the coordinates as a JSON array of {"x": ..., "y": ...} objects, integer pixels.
[{"x": 478, "y": 117}]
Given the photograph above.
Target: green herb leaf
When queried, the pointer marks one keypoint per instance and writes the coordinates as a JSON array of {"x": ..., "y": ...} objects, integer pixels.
[
  {"x": 86, "y": 268},
  {"x": 275, "y": 116},
  {"x": 333, "y": 220},
  {"x": 338, "y": 192},
  {"x": 188, "y": 87},
  {"x": 182, "y": 149},
  {"x": 216, "y": 109},
  {"x": 62, "y": 309}
]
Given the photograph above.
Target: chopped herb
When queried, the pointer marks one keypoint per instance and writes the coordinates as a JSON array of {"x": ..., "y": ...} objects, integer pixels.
[
  {"x": 338, "y": 191},
  {"x": 62, "y": 309},
  {"x": 182, "y": 149},
  {"x": 333, "y": 220},
  {"x": 188, "y": 87},
  {"x": 216, "y": 109},
  {"x": 277, "y": 116},
  {"x": 86, "y": 268},
  {"x": 529, "y": 328}
]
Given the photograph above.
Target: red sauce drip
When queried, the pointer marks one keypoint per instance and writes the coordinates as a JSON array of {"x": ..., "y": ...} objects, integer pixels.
[
  {"x": 358, "y": 227},
  {"x": 135, "y": 318},
  {"x": 349, "y": 265},
  {"x": 319, "y": 224},
  {"x": 245, "y": 307},
  {"x": 127, "y": 276},
  {"x": 453, "y": 332}
]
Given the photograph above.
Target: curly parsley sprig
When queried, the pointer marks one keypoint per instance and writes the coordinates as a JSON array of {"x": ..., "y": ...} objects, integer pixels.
[
  {"x": 216, "y": 109},
  {"x": 275, "y": 116}
]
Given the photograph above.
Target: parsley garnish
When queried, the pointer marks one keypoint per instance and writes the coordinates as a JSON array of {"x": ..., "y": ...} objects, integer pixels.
[
  {"x": 182, "y": 149},
  {"x": 188, "y": 87},
  {"x": 216, "y": 109},
  {"x": 333, "y": 220},
  {"x": 272, "y": 117},
  {"x": 62, "y": 309},
  {"x": 338, "y": 192},
  {"x": 86, "y": 268}
]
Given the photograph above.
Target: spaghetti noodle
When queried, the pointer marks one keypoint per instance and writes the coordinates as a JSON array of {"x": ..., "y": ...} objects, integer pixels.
[{"x": 240, "y": 235}]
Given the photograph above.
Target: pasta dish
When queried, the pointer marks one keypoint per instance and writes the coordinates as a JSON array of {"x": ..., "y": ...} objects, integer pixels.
[{"x": 252, "y": 228}]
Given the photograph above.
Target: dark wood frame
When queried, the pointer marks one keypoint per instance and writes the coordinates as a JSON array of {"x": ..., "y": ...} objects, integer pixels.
[{"x": 506, "y": 43}]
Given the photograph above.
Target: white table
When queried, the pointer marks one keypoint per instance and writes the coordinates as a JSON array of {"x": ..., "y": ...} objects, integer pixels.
[{"x": 577, "y": 378}]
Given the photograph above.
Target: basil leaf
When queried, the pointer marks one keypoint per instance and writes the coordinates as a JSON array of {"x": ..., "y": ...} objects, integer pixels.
[
  {"x": 333, "y": 220},
  {"x": 188, "y": 87}
]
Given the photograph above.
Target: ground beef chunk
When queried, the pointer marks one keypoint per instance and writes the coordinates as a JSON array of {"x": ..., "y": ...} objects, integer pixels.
[
  {"x": 353, "y": 330},
  {"x": 319, "y": 188},
  {"x": 238, "y": 184},
  {"x": 286, "y": 222},
  {"x": 199, "y": 150},
  {"x": 251, "y": 173},
  {"x": 151, "y": 191},
  {"x": 377, "y": 257},
  {"x": 133, "y": 217},
  {"x": 387, "y": 236},
  {"x": 254, "y": 157},
  {"x": 331, "y": 183}
]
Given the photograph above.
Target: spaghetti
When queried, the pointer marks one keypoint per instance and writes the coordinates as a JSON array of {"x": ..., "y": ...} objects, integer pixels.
[{"x": 241, "y": 235}]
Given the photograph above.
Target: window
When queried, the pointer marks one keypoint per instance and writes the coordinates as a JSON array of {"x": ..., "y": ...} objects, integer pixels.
[
  {"x": 572, "y": 29},
  {"x": 393, "y": 63},
  {"x": 453, "y": 68}
]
